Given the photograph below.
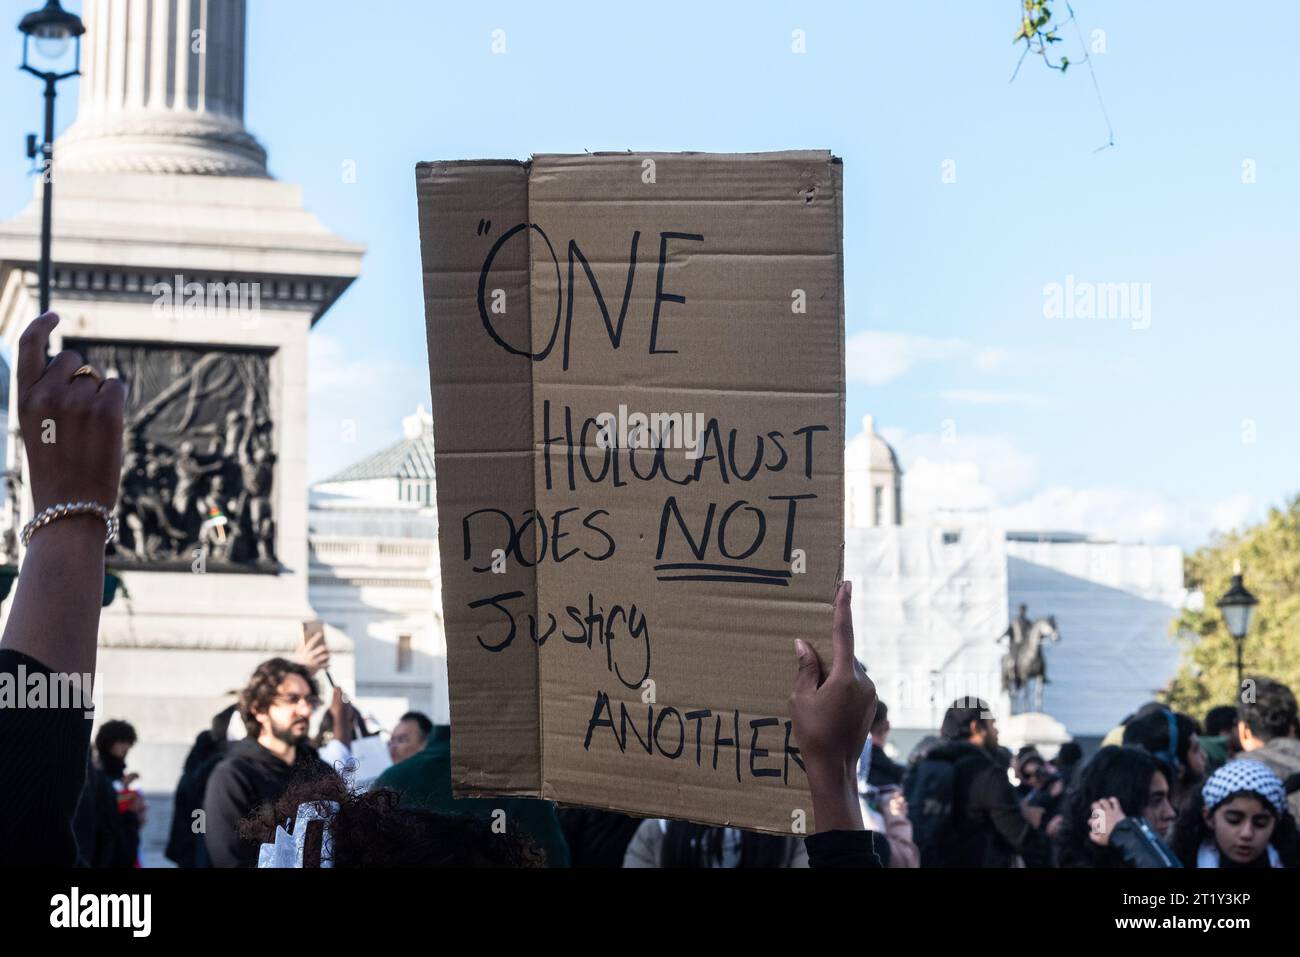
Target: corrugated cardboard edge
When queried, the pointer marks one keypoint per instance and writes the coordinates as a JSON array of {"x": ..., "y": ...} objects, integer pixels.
[{"x": 460, "y": 787}]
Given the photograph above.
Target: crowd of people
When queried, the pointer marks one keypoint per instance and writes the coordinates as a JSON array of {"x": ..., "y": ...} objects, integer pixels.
[{"x": 1164, "y": 789}]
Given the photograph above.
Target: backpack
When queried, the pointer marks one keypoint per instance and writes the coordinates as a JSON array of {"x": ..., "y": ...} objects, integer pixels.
[{"x": 930, "y": 792}]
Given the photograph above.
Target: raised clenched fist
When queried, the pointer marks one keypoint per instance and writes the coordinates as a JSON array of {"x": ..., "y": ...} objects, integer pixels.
[{"x": 71, "y": 425}]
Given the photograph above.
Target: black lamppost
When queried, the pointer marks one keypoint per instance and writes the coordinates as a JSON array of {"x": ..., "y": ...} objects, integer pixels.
[
  {"x": 51, "y": 28},
  {"x": 1238, "y": 608}
]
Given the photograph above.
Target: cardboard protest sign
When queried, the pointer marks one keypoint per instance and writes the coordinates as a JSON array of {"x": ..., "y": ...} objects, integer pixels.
[{"x": 637, "y": 365}]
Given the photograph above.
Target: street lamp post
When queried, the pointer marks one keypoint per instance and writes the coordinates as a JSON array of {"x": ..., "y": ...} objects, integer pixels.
[
  {"x": 49, "y": 31},
  {"x": 1238, "y": 607}
]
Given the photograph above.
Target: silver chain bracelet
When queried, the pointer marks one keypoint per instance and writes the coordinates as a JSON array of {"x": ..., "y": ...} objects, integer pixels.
[{"x": 63, "y": 510}]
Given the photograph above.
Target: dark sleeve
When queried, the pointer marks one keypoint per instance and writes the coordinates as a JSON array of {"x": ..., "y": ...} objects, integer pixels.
[
  {"x": 996, "y": 798},
  {"x": 43, "y": 750},
  {"x": 84, "y": 823},
  {"x": 224, "y": 805},
  {"x": 108, "y": 845},
  {"x": 1136, "y": 848},
  {"x": 836, "y": 849}
]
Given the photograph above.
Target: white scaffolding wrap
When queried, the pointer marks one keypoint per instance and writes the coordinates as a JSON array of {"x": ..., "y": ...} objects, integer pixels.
[
  {"x": 929, "y": 605},
  {"x": 927, "y": 609},
  {"x": 1113, "y": 606}
]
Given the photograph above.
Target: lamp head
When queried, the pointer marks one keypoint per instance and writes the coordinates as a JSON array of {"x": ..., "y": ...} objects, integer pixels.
[
  {"x": 52, "y": 28},
  {"x": 1237, "y": 606}
]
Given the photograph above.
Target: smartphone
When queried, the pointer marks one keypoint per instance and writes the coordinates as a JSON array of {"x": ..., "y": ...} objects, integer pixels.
[{"x": 316, "y": 627}]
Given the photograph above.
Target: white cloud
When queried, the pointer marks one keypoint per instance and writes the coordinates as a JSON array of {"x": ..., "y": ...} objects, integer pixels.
[
  {"x": 875, "y": 358},
  {"x": 996, "y": 462},
  {"x": 996, "y": 397},
  {"x": 991, "y": 358},
  {"x": 1126, "y": 514},
  {"x": 988, "y": 479}
]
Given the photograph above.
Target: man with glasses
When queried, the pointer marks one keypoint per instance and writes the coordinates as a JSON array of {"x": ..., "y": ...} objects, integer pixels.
[{"x": 276, "y": 707}]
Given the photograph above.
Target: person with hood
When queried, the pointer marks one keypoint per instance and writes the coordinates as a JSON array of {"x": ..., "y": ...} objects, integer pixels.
[
  {"x": 1267, "y": 728},
  {"x": 1239, "y": 820},
  {"x": 276, "y": 707},
  {"x": 964, "y": 811},
  {"x": 1116, "y": 813}
]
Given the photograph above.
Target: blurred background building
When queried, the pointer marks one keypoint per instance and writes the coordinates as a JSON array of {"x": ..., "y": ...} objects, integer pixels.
[
  {"x": 932, "y": 594},
  {"x": 373, "y": 539}
]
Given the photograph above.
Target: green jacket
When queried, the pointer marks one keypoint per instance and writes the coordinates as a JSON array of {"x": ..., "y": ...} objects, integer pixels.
[
  {"x": 424, "y": 780},
  {"x": 1216, "y": 752}
]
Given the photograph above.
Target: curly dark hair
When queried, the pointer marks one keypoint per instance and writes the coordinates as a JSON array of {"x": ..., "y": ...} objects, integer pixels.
[
  {"x": 111, "y": 733},
  {"x": 1273, "y": 712},
  {"x": 372, "y": 829},
  {"x": 1123, "y": 773},
  {"x": 260, "y": 690},
  {"x": 1190, "y": 831}
]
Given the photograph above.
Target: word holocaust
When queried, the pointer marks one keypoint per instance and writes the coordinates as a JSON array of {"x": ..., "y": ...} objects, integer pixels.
[
  {"x": 1129, "y": 301},
  {"x": 42, "y": 690},
  {"x": 208, "y": 301},
  {"x": 74, "y": 910},
  {"x": 639, "y": 430}
]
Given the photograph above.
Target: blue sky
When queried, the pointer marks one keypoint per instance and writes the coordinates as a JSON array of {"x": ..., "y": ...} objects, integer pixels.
[{"x": 1158, "y": 434}]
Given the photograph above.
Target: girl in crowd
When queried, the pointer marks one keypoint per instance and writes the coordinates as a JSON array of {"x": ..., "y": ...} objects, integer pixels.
[
  {"x": 1239, "y": 819},
  {"x": 1116, "y": 813}
]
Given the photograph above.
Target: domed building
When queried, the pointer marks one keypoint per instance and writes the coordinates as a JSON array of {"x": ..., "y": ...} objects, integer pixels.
[{"x": 873, "y": 480}]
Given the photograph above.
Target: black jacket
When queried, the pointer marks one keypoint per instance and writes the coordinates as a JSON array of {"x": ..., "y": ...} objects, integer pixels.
[
  {"x": 990, "y": 829},
  {"x": 596, "y": 838},
  {"x": 847, "y": 849},
  {"x": 883, "y": 771},
  {"x": 1136, "y": 845},
  {"x": 184, "y": 847},
  {"x": 247, "y": 779},
  {"x": 96, "y": 823},
  {"x": 44, "y": 750}
]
